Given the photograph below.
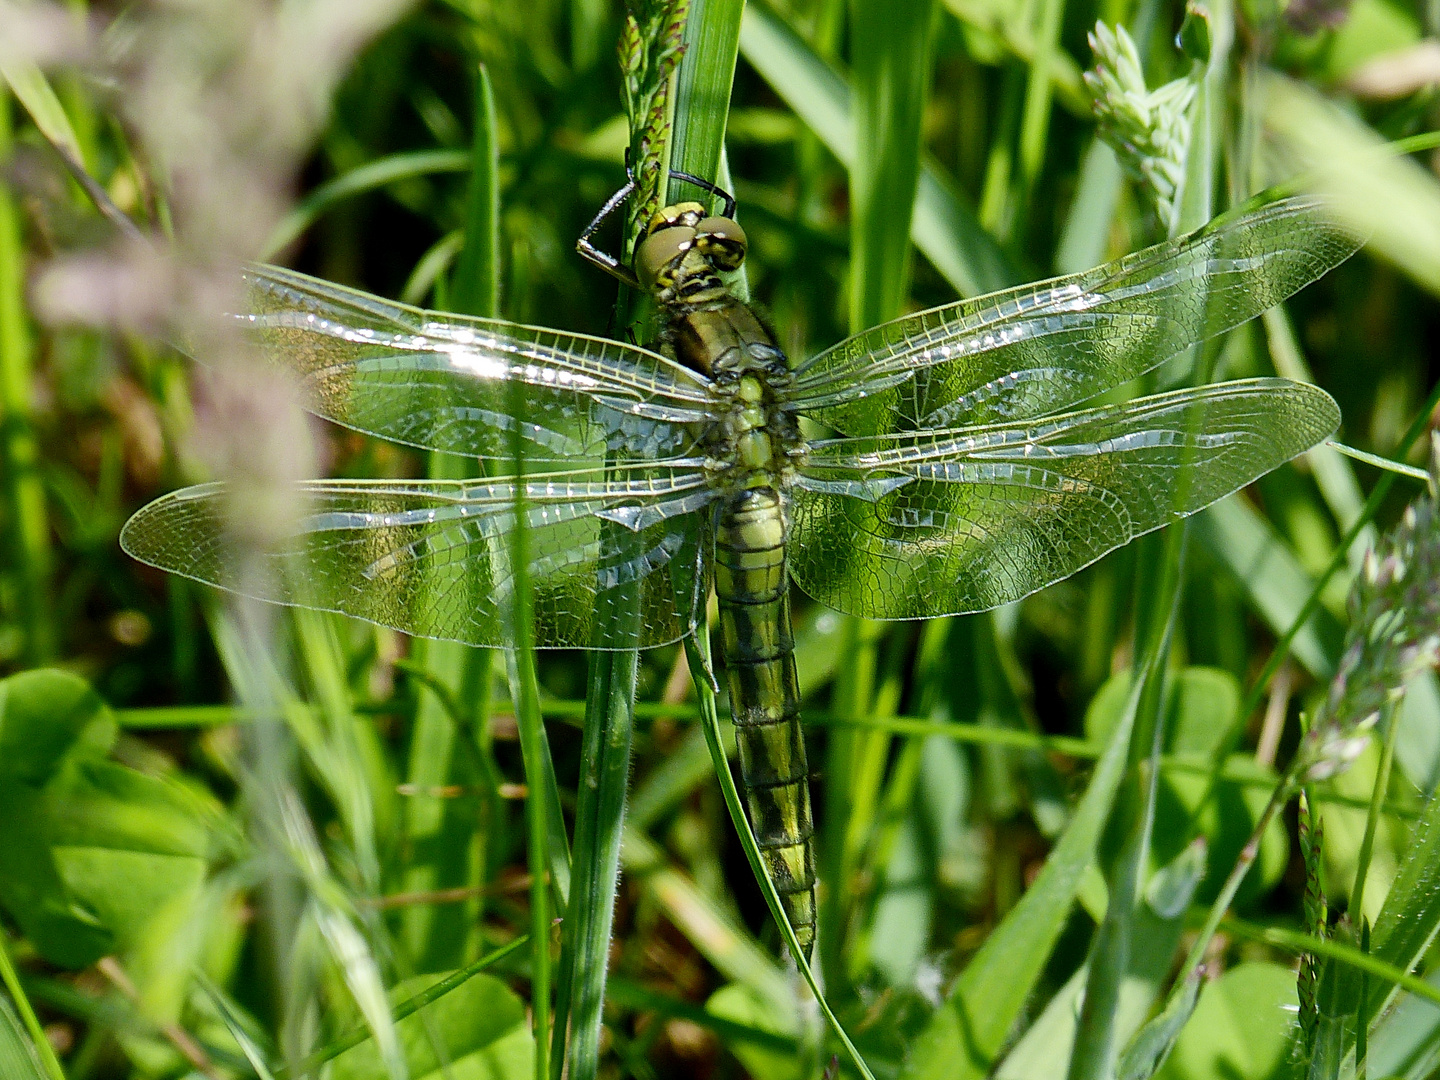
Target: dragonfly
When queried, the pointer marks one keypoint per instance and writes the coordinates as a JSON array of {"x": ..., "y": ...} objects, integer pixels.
[{"x": 953, "y": 460}]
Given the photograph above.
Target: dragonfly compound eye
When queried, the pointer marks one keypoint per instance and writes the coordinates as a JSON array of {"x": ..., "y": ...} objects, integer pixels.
[
  {"x": 658, "y": 250},
  {"x": 723, "y": 241}
]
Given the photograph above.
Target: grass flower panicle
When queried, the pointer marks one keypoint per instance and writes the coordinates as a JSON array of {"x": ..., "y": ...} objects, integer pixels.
[
  {"x": 1149, "y": 130},
  {"x": 1394, "y": 635}
]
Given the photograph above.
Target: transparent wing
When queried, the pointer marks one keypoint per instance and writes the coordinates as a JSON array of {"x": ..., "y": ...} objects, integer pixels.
[
  {"x": 464, "y": 385},
  {"x": 944, "y": 522},
  {"x": 434, "y": 558},
  {"x": 1037, "y": 350}
]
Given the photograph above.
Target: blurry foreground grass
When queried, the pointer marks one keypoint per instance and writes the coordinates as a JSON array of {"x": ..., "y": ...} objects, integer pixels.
[{"x": 234, "y": 840}]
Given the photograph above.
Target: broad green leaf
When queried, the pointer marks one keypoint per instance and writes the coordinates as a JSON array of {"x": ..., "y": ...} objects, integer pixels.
[
  {"x": 1240, "y": 1028},
  {"x": 95, "y": 851},
  {"x": 480, "y": 1030},
  {"x": 47, "y": 717},
  {"x": 742, "y": 1004}
]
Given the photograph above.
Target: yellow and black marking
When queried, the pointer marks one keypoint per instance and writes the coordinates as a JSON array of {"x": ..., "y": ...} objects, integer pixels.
[{"x": 753, "y": 450}]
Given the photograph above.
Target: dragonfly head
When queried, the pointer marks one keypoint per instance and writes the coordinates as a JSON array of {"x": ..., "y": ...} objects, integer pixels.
[{"x": 679, "y": 230}]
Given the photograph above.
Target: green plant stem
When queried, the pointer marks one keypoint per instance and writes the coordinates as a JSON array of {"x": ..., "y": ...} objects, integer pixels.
[
  {"x": 1236, "y": 878},
  {"x": 536, "y": 754},
  {"x": 409, "y": 1006},
  {"x": 11, "y": 979},
  {"x": 1372, "y": 817},
  {"x": 599, "y": 829}
]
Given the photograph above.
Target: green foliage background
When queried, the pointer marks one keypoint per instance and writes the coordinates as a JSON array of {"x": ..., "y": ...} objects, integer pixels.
[{"x": 237, "y": 847}]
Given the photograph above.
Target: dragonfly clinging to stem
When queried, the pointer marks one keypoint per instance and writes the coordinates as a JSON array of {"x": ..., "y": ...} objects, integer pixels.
[{"x": 968, "y": 467}]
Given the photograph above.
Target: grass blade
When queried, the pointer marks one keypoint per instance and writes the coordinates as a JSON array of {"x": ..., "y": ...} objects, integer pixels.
[
  {"x": 964, "y": 1036},
  {"x": 14, "y": 1045},
  {"x": 945, "y": 230},
  {"x": 702, "y": 86},
  {"x": 29, "y": 525},
  {"x": 892, "y": 46}
]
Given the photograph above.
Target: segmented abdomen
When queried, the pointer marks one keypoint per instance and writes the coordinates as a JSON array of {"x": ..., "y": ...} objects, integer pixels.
[{"x": 753, "y": 592}]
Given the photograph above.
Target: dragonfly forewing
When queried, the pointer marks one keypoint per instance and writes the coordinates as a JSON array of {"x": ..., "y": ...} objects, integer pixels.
[
  {"x": 471, "y": 386},
  {"x": 433, "y": 558},
  {"x": 1047, "y": 348},
  {"x": 945, "y": 522}
]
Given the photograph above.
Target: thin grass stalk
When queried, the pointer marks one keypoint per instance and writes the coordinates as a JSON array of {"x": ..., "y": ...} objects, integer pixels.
[
  {"x": 11, "y": 980},
  {"x": 1097, "y": 1049},
  {"x": 1372, "y": 817},
  {"x": 860, "y": 870},
  {"x": 610, "y": 701},
  {"x": 697, "y": 649},
  {"x": 599, "y": 829},
  {"x": 1295, "y": 942},
  {"x": 30, "y": 527},
  {"x": 535, "y": 751},
  {"x": 844, "y": 750},
  {"x": 891, "y": 50}
]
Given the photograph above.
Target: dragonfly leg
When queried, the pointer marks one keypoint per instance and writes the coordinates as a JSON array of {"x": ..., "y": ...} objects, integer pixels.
[{"x": 603, "y": 259}]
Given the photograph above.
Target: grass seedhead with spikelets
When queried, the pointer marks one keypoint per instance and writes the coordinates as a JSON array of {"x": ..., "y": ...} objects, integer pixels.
[
  {"x": 1394, "y": 635},
  {"x": 650, "y": 52},
  {"x": 1149, "y": 130}
]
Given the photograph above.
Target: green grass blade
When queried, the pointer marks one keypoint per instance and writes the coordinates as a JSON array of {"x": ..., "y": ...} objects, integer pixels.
[
  {"x": 1035, "y": 120},
  {"x": 14, "y": 1043},
  {"x": 945, "y": 230},
  {"x": 539, "y": 772},
  {"x": 33, "y": 90},
  {"x": 368, "y": 177},
  {"x": 599, "y": 828},
  {"x": 891, "y": 46},
  {"x": 29, "y": 527},
  {"x": 702, "y": 86},
  {"x": 17, "y": 1060},
  {"x": 475, "y": 286},
  {"x": 966, "y": 1034}
]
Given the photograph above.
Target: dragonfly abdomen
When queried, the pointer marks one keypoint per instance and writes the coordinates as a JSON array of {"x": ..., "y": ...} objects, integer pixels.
[{"x": 751, "y": 585}]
